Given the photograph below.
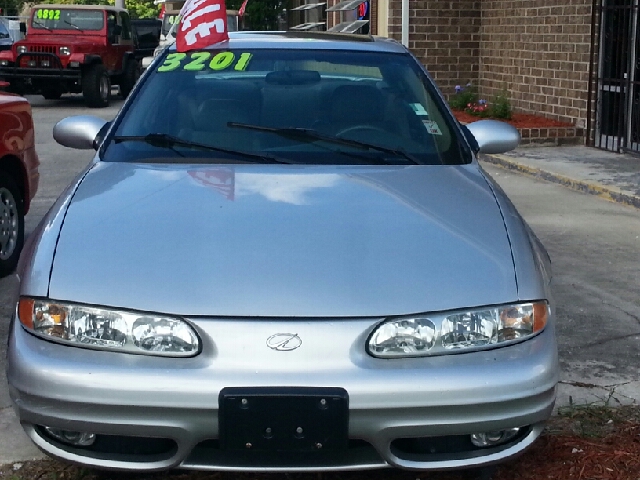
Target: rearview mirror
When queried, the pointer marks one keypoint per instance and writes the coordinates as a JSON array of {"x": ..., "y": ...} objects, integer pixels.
[{"x": 292, "y": 77}]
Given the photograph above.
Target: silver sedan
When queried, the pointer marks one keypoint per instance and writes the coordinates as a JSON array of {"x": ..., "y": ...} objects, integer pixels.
[{"x": 284, "y": 256}]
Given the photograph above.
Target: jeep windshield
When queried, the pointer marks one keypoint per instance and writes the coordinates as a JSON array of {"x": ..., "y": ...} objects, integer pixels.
[
  {"x": 299, "y": 106},
  {"x": 4, "y": 33},
  {"x": 67, "y": 19}
]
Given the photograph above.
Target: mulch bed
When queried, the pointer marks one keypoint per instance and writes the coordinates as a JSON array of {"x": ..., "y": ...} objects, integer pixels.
[
  {"x": 518, "y": 120},
  {"x": 581, "y": 443}
]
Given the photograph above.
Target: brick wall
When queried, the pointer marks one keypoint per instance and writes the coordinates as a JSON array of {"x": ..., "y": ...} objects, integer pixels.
[
  {"x": 538, "y": 51},
  {"x": 444, "y": 35}
]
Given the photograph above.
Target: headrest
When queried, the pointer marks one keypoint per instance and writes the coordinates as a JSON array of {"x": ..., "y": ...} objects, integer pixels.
[{"x": 356, "y": 103}]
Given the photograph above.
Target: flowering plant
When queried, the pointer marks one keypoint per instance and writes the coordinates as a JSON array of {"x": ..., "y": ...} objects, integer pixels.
[
  {"x": 464, "y": 96},
  {"x": 479, "y": 108},
  {"x": 466, "y": 99}
]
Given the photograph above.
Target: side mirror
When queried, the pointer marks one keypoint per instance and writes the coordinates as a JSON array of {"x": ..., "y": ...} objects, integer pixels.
[
  {"x": 117, "y": 30},
  {"x": 23, "y": 28},
  {"x": 493, "y": 136},
  {"x": 146, "y": 61},
  {"x": 100, "y": 136},
  {"x": 79, "y": 131}
]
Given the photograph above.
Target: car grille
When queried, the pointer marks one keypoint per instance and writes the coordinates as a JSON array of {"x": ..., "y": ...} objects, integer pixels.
[
  {"x": 42, "y": 48},
  {"x": 207, "y": 455},
  {"x": 41, "y": 61}
]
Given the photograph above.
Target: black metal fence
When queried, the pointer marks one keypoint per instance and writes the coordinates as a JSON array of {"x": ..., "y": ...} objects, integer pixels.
[{"x": 617, "y": 76}]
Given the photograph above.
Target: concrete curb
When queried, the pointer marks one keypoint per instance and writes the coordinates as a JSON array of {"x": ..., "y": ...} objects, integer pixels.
[
  {"x": 606, "y": 192},
  {"x": 15, "y": 445}
]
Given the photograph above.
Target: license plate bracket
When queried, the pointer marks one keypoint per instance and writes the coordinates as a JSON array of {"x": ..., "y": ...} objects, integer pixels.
[{"x": 290, "y": 419}]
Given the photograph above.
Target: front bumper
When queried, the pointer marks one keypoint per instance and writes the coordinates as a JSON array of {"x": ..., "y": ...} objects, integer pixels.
[
  {"x": 145, "y": 398},
  {"x": 14, "y": 72},
  {"x": 56, "y": 70}
]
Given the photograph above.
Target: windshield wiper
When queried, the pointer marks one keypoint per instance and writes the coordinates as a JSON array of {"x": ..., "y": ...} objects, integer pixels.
[
  {"x": 313, "y": 135},
  {"x": 73, "y": 25},
  {"x": 43, "y": 25},
  {"x": 164, "y": 140}
]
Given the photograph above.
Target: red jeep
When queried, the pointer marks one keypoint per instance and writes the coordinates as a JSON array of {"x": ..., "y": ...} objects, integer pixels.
[{"x": 73, "y": 48}]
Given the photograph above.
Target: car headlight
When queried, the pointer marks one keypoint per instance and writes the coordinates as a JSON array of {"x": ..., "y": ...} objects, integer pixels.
[
  {"x": 21, "y": 49},
  {"x": 109, "y": 329},
  {"x": 65, "y": 51},
  {"x": 455, "y": 332}
]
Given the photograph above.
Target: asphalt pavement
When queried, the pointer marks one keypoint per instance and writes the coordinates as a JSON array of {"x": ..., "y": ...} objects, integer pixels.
[{"x": 613, "y": 177}]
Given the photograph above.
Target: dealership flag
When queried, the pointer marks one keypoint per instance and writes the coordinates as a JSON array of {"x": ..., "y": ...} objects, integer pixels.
[
  {"x": 242, "y": 8},
  {"x": 203, "y": 23}
]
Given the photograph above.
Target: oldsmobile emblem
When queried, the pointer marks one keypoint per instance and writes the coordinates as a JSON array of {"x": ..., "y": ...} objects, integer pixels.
[{"x": 284, "y": 342}]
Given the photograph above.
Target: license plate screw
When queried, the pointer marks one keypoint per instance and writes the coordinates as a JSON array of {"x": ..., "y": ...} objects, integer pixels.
[
  {"x": 248, "y": 445},
  {"x": 318, "y": 446},
  {"x": 323, "y": 402},
  {"x": 299, "y": 430},
  {"x": 244, "y": 401}
]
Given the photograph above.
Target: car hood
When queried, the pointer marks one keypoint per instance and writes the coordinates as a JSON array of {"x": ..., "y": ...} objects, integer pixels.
[
  {"x": 70, "y": 39},
  {"x": 292, "y": 241}
]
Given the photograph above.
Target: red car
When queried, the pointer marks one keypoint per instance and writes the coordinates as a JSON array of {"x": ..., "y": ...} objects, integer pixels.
[{"x": 18, "y": 176}]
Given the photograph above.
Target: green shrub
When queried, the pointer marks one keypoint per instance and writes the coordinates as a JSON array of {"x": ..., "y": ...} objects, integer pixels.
[{"x": 501, "y": 107}]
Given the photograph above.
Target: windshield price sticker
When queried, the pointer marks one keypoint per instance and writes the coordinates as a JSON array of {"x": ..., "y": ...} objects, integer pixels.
[
  {"x": 198, "y": 61},
  {"x": 432, "y": 127},
  {"x": 48, "y": 14}
]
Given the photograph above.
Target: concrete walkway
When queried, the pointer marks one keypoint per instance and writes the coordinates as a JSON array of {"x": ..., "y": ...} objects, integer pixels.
[{"x": 615, "y": 177}]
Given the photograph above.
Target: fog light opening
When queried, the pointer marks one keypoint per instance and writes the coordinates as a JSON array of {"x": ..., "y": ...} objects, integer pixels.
[
  {"x": 76, "y": 439},
  {"x": 491, "y": 439}
]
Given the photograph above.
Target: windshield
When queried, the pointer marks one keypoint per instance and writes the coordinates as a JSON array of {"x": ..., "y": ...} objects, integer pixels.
[
  {"x": 67, "y": 19},
  {"x": 4, "y": 33},
  {"x": 299, "y": 106},
  {"x": 168, "y": 21}
]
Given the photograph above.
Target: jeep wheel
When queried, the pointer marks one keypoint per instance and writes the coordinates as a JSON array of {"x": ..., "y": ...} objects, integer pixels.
[
  {"x": 129, "y": 78},
  {"x": 96, "y": 87},
  {"x": 51, "y": 93},
  {"x": 11, "y": 224}
]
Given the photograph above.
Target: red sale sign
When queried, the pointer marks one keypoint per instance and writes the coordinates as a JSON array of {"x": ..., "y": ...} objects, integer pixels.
[{"x": 204, "y": 22}]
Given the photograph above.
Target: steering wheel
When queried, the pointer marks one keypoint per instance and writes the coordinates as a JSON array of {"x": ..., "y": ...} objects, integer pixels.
[{"x": 362, "y": 128}]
